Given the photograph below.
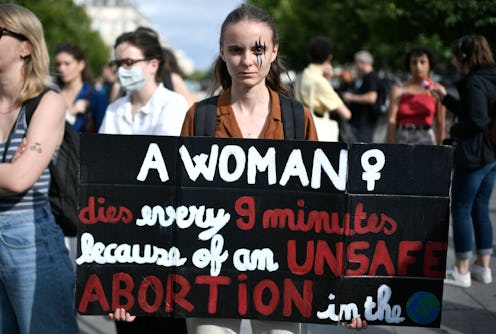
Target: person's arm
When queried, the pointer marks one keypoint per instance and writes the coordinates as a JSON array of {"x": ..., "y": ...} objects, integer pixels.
[
  {"x": 180, "y": 87},
  {"x": 450, "y": 102},
  {"x": 366, "y": 98},
  {"x": 394, "y": 98},
  {"x": 326, "y": 97},
  {"x": 43, "y": 135},
  {"x": 344, "y": 112},
  {"x": 440, "y": 122}
]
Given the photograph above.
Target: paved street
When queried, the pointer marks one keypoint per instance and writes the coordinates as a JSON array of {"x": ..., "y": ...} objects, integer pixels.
[{"x": 467, "y": 311}]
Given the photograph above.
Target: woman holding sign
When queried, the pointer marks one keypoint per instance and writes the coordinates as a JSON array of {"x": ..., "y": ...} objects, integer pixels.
[
  {"x": 250, "y": 105},
  {"x": 36, "y": 275},
  {"x": 474, "y": 174}
]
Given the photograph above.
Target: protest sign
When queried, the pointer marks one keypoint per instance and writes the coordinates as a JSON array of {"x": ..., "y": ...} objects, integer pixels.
[{"x": 280, "y": 230}]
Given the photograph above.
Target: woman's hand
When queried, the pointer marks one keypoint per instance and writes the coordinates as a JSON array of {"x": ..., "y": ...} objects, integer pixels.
[
  {"x": 79, "y": 107},
  {"x": 357, "y": 324},
  {"x": 120, "y": 314},
  {"x": 439, "y": 92}
]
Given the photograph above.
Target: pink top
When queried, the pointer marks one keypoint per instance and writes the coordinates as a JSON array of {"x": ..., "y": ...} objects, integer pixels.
[{"x": 418, "y": 109}]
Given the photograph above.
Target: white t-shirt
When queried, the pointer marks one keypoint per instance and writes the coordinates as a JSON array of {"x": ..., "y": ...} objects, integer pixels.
[{"x": 162, "y": 115}]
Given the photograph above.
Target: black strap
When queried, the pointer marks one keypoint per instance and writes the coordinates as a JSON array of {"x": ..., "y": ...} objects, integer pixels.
[
  {"x": 293, "y": 118},
  {"x": 167, "y": 81},
  {"x": 32, "y": 104},
  {"x": 206, "y": 117},
  {"x": 11, "y": 134},
  {"x": 29, "y": 105}
]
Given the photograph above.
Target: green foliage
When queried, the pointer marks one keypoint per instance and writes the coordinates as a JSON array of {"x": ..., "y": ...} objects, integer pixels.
[
  {"x": 64, "y": 21},
  {"x": 385, "y": 27},
  {"x": 199, "y": 75}
]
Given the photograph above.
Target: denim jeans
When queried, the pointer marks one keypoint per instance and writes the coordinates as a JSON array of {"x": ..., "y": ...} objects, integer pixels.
[
  {"x": 470, "y": 194},
  {"x": 36, "y": 276}
]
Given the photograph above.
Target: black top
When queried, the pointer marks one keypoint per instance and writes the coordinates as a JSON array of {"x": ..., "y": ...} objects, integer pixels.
[
  {"x": 365, "y": 113},
  {"x": 474, "y": 111}
]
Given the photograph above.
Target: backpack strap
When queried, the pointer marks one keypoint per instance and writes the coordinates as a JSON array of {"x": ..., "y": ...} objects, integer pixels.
[
  {"x": 293, "y": 118},
  {"x": 31, "y": 104},
  {"x": 9, "y": 138},
  {"x": 206, "y": 117}
]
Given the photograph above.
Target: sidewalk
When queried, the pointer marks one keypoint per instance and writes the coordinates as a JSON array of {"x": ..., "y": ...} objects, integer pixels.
[{"x": 467, "y": 311}]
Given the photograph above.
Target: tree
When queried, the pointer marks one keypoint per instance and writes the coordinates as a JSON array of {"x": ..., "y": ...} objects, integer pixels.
[
  {"x": 64, "y": 21},
  {"x": 385, "y": 27}
]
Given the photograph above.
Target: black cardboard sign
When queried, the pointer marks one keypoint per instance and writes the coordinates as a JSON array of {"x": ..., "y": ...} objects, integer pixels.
[{"x": 281, "y": 230}]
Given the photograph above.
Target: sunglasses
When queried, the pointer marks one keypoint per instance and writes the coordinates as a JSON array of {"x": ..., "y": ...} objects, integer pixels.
[
  {"x": 126, "y": 62},
  {"x": 5, "y": 31}
]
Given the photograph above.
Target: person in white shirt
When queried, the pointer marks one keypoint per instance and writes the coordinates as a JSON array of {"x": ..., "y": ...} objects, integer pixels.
[{"x": 148, "y": 108}]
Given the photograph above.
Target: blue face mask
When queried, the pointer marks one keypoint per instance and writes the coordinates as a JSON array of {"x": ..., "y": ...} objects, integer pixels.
[{"x": 131, "y": 79}]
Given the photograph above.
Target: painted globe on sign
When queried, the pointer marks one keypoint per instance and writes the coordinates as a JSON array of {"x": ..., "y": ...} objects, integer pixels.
[{"x": 423, "y": 307}]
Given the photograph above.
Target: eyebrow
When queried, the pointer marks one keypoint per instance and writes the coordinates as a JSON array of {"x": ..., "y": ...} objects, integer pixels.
[{"x": 235, "y": 46}]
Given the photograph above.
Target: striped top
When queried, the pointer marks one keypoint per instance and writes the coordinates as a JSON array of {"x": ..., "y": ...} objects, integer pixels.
[{"x": 37, "y": 195}]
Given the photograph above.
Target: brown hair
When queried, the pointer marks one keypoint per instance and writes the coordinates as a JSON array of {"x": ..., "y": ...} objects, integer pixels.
[
  {"x": 473, "y": 52},
  {"x": 149, "y": 45},
  {"x": 221, "y": 77},
  {"x": 76, "y": 53}
]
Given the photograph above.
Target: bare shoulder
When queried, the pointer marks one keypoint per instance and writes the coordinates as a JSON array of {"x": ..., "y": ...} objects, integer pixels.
[
  {"x": 51, "y": 106},
  {"x": 397, "y": 88},
  {"x": 52, "y": 99}
]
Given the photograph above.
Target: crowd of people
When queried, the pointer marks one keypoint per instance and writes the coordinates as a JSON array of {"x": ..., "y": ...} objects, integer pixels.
[{"x": 142, "y": 93}]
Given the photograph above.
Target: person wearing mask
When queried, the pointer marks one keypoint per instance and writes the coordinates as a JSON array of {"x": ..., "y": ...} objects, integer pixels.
[
  {"x": 85, "y": 105},
  {"x": 474, "y": 172},
  {"x": 36, "y": 275},
  {"x": 147, "y": 109},
  {"x": 315, "y": 89},
  {"x": 412, "y": 108},
  {"x": 362, "y": 99}
]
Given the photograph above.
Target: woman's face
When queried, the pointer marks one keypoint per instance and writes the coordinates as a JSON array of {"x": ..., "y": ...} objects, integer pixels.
[
  {"x": 127, "y": 51},
  {"x": 68, "y": 68},
  {"x": 248, "y": 51},
  {"x": 457, "y": 64},
  {"x": 419, "y": 66}
]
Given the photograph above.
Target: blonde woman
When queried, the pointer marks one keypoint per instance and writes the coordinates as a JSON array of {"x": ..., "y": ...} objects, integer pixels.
[{"x": 36, "y": 276}]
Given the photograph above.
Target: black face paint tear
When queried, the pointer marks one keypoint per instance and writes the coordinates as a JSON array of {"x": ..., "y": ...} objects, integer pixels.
[{"x": 260, "y": 49}]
